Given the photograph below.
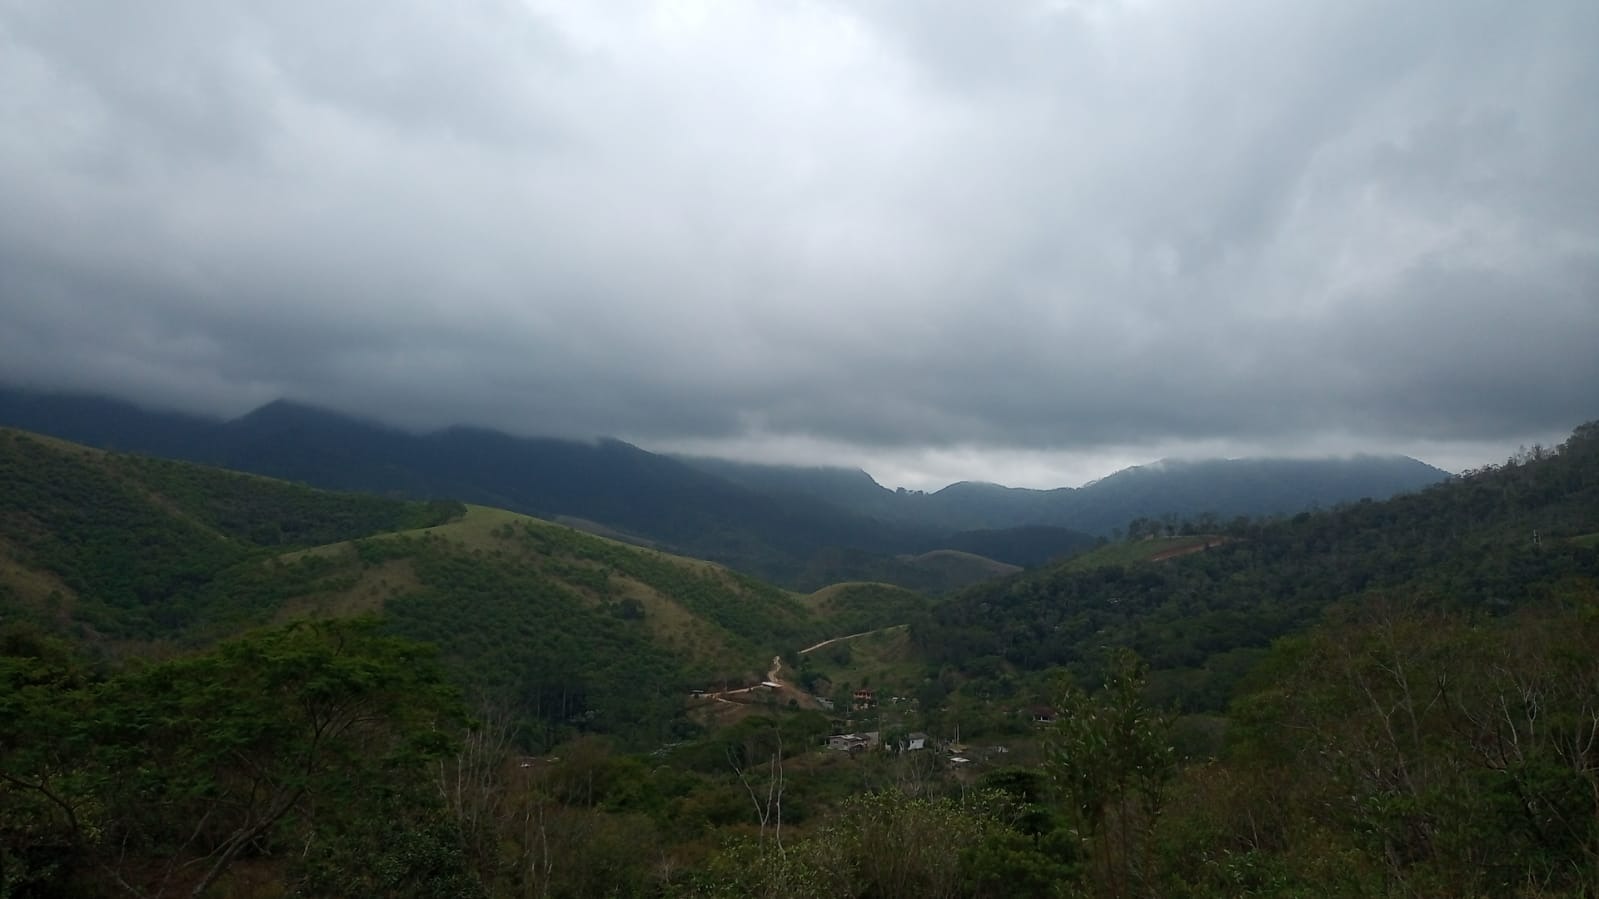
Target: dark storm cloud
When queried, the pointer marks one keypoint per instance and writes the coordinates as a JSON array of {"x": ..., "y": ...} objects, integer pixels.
[{"x": 904, "y": 227}]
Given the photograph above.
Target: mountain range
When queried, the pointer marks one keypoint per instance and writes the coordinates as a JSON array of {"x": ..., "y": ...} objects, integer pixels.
[
  {"x": 1171, "y": 488},
  {"x": 801, "y": 527}
]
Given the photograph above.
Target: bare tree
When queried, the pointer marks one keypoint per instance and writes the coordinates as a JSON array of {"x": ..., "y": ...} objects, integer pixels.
[{"x": 767, "y": 800}]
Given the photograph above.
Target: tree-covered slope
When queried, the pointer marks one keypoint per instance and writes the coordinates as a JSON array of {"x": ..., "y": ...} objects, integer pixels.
[
  {"x": 577, "y": 633},
  {"x": 1486, "y": 540},
  {"x": 1027, "y": 546},
  {"x": 308, "y": 754},
  {"x": 1219, "y": 489},
  {"x": 852, "y": 608},
  {"x": 609, "y": 482},
  {"x": 134, "y": 547},
  {"x": 571, "y": 631},
  {"x": 801, "y": 527}
]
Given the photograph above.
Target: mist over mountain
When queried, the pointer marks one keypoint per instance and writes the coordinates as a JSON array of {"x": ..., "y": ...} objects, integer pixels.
[
  {"x": 1218, "y": 488},
  {"x": 804, "y": 527},
  {"x": 610, "y": 482}
]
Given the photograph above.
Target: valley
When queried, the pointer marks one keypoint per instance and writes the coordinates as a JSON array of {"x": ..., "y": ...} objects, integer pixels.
[{"x": 623, "y": 695}]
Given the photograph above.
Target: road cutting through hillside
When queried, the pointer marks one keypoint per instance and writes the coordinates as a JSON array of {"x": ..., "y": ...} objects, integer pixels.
[
  {"x": 773, "y": 683},
  {"x": 832, "y": 640},
  {"x": 774, "y": 680}
]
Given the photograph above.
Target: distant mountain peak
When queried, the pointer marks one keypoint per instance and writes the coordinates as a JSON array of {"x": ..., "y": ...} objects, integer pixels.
[{"x": 281, "y": 411}]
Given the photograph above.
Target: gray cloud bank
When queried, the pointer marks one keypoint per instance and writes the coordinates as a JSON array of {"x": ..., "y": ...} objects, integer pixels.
[{"x": 903, "y": 227}]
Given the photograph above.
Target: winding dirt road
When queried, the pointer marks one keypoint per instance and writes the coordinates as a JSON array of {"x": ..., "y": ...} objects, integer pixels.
[
  {"x": 832, "y": 640},
  {"x": 774, "y": 681}
]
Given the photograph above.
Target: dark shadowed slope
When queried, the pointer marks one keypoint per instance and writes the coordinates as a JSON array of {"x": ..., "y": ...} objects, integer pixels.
[
  {"x": 803, "y": 527},
  {"x": 609, "y": 482},
  {"x": 1220, "y": 488}
]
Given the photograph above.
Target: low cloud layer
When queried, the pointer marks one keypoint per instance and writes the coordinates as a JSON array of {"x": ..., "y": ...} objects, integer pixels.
[{"x": 920, "y": 235}]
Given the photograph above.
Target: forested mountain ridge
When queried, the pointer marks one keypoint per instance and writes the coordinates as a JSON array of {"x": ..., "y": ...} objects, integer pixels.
[
  {"x": 609, "y": 482},
  {"x": 801, "y": 528},
  {"x": 139, "y": 548},
  {"x": 1486, "y": 540},
  {"x": 1219, "y": 489},
  {"x": 574, "y": 632}
]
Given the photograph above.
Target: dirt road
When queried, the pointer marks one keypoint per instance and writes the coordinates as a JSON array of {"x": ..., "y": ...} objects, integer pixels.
[{"x": 832, "y": 640}]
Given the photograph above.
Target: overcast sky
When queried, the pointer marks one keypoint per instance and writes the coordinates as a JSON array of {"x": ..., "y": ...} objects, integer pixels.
[{"x": 1020, "y": 242}]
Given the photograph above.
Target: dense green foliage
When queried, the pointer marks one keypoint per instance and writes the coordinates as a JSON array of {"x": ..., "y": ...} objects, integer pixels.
[
  {"x": 621, "y": 486},
  {"x": 511, "y": 632},
  {"x": 1403, "y": 750},
  {"x": 147, "y": 547},
  {"x": 542, "y": 621},
  {"x": 895, "y": 846},
  {"x": 853, "y": 608},
  {"x": 159, "y": 778},
  {"x": 743, "y": 605},
  {"x": 1028, "y": 546},
  {"x": 1403, "y": 699},
  {"x": 579, "y": 634},
  {"x": 934, "y": 573},
  {"x": 268, "y": 512},
  {"x": 1486, "y": 540}
]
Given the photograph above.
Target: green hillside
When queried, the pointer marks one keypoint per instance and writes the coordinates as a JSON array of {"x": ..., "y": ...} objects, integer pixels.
[
  {"x": 579, "y": 632},
  {"x": 936, "y": 572},
  {"x": 1147, "y": 549},
  {"x": 130, "y": 548},
  {"x": 619, "y": 487},
  {"x": 575, "y": 632},
  {"x": 1488, "y": 541},
  {"x": 854, "y": 607}
]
